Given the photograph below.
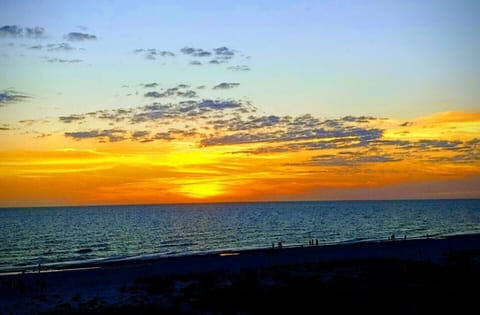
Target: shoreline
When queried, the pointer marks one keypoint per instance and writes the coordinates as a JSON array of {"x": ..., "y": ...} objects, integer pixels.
[
  {"x": 127, "y": 284},
  {"x": 303, "y": 249}
]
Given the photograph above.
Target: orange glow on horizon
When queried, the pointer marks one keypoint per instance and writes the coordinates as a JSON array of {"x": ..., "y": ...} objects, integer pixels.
[{"x": 89, "y": 172}]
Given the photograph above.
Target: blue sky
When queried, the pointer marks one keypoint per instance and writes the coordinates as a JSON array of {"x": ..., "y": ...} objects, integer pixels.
[{"x": 327, "y": 58}]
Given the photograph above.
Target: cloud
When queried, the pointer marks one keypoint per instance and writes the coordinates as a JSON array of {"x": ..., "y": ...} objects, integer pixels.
[
  {"x": 360, "y": 135},
  {"x": 153, "y": 94},
  {"x": 218, "y": 105},
  {"x": 11, "y": 30},
  {"x": 195, "y": 52},
  {"x": 150, "y": 85},
  {"x": 348, "y": 159},
  {"x": 195, "y": 63},
  {"x": 239, "y": 68},
  {"x": 287, "y": 129},
  {"x": 185, "y": 110},
  {"x": 187, "y": 94},
  {"x": 173, "y": 92},
  {"x": 60, "y": 47},
  {"x": 224, "y": 53},
  {"x": 116, "y": 135},
  {"x": 37, "y": 47},
  {"x": 76, "y": 36},
  {"x": 36, "y": 32},
  {"x": 112, "y": 135},
  {"x": 225, "y": 86},
  {"x": 59, "y": 60},
  {"x": 18, "y": 31},
  {"x": 8, "y": 97},
  {"x": 71, "y": 118},
  {"x": 438, "y": 144},
  {"x": 152, "y": 53}
]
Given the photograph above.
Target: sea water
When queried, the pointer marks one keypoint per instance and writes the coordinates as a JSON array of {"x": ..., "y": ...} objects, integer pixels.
[{"x": 64, "y": 235}]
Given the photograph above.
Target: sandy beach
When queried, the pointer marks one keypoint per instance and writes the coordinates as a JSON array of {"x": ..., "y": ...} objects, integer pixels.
[{"x": 192, "y": 284}]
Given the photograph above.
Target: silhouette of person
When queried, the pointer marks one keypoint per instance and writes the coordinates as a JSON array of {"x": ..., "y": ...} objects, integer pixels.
[{"x": 316, "y": 241}]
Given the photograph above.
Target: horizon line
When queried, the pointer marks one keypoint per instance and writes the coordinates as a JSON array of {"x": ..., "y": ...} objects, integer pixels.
[{"x": 232, "y": 202}]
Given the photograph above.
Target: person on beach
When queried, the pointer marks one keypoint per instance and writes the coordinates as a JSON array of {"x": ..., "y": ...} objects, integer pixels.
[{"x": 316, "y": 241}]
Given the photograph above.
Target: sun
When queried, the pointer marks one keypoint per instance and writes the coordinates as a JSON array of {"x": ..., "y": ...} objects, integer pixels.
[{"x": 202, "y": 190}]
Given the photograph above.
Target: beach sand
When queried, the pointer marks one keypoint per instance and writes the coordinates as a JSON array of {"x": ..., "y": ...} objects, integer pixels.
[{"x": 396, "y": 277}]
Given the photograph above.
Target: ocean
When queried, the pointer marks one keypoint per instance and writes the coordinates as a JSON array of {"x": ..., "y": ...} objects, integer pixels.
[{"x": 56, "y": 236}]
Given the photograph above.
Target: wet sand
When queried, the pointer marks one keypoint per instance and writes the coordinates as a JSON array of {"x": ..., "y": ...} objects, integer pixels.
[{"x": 418, "y": 274}]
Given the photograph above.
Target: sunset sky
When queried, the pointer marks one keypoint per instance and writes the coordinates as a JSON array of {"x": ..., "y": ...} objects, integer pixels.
[{"x": 119, "y": 102}]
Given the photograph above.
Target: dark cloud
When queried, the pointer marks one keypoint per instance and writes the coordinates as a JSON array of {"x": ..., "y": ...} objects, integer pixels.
[
  {"x": 187, "y": 94},
  {"x": 225, "y": 86},
  {"x": 185, "y": 110},
  {"x": 140, "y": 134},
  {"x": 37, "y": 47},
  {"x": 172, "y": 92},
  {"x": 348, "y": 159},
  {"x": 60, "y": 60},
  {"x": 36, "y": 32},
  {"x": 115, "y": 135},
  {"x": 218, "y": 105},
  {"x": 360, "y": 135},
  {"x": 360, "y": 119},
  {"x": 287, "y": 129},
  {"x": 438, "y": 144},
  {"x": 164, "y": 53},
  {"x": 153, "y": 94},
  {"x": 152, "y": 53},
  {"x": 173, "y": 134},
  {"x": 239, "y": 68},
  {"x": 8, "y": 97},
  {"x": 60, "y": 47},
  {"x": 195, "y": 52},
  {"x": 112, "y": 135},
  {"x": 18, "y": 31},
  {"x": 150, "y": 85},
  {"x": 195, "y": 63},
  {"x": 237, "y": 124},
  {"x": 224, "y": 52},
  {"x": 76, "y": 36},
  {"x": 71, "y": 118},
  {"x": 11, "y": 30}
]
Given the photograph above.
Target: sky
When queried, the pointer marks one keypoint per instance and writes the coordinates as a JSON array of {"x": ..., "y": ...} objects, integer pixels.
[{"x": 119, "y": 102}]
